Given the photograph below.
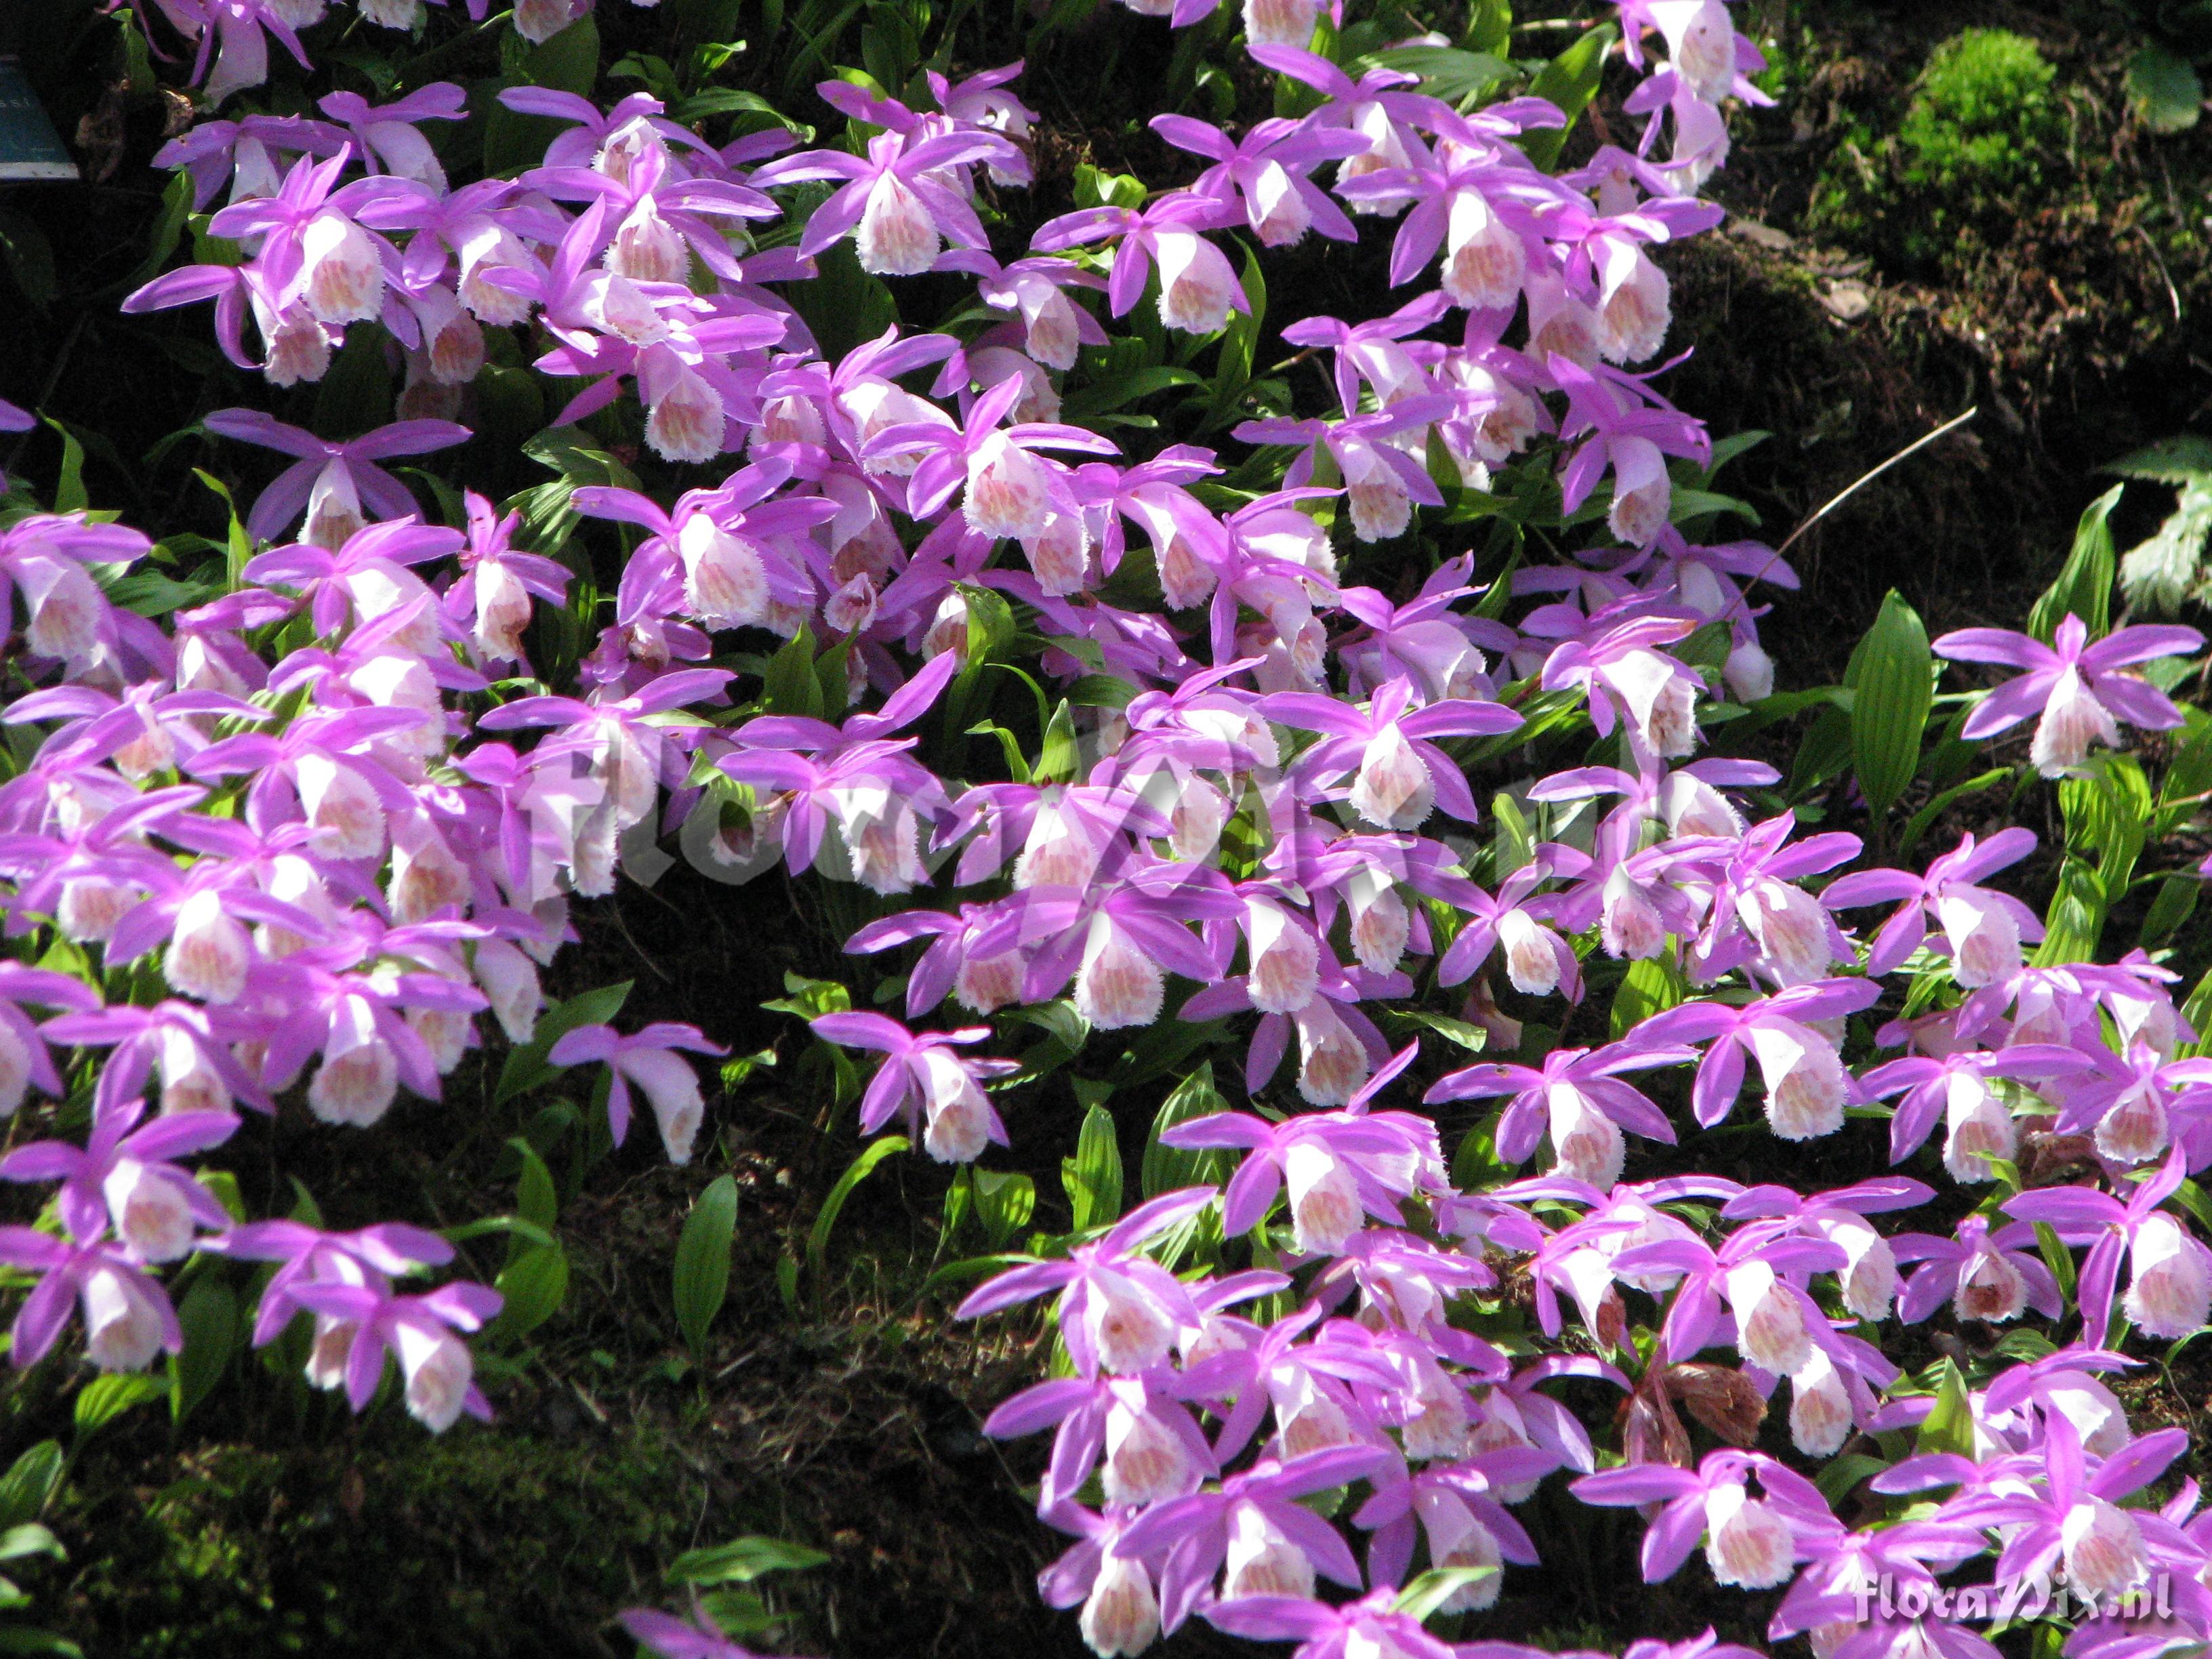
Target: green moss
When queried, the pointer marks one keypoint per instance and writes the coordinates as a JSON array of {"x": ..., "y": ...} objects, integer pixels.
[
  {"x": 1981, "y": 114},
  {"x": 1980, "y": 129},
  {"x": 476, "y": 1544}
]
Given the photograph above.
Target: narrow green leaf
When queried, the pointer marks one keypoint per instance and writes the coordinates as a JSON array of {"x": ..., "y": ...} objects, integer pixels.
[
  {"x": 702, "y": 1261},
  {"x": 817, "y": 1240},
  {"x": 526, "y": 1067},
  {"x": 742, "y": 1560},
  {"x": 2084, "y": 587},
  {"x": 534, "y": 1284},
  {"x": 1650, "y": 985},
  {"x": 30, "y": 1483},
  {"x": 104, "y": 1398},
  {"x": 1429, "y": 1592},
  {"x": 1005, "y": 1201},
  {"x": 1890, "y": 702},
  {"x": 209, "y": 1315},
  {"x": 1168, "y": 1169},
  {"x": 1093, "y": 1176},
  {"x": 1569, "y": 81},
  {"x": 1950, "y": 1426}
]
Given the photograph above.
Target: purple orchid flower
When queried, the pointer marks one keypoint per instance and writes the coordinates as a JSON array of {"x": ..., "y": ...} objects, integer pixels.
[
  {"x": 128, "y": 1318},
  {"x": 2171, "y": 1289},
  {"x": 2073, "y": 688},
  {"x": 335, "y": 484},
  {"x": 126, "y": 1175},
  {"x": 646, "y": 1057},
  {"x": 1983, "y": 929},
  {"x": 1266, "y": 171},
  {"x": 922, "y": 1080}
]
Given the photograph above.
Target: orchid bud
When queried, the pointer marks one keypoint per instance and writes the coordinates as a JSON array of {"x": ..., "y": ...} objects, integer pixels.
[
  {"x": 1978, "y": 1127},
  {"x": 1009, "y": 489},
  {"x": 2103, "y": 1549},
  {"x": 359, "y": 1076},
  {"x": 1749, "y": 671},
  {"x": 1769, "y": 1319},
  {"x": 1458, "y": 1539},
  {"x": 1262, "y": 1560},
  {"x": 1122, "y": 1616},
  {"x": 2135, "y": 1128},
  {"x": 1819, "y": 1407},
  {"x": 438, "y": 1372},
  {"x": 1284, "y": 973},
  {"x": 2170, "y": 1294},
  {"x": 1117, "y": 985},
  {"x": 1198, "y": 288},
  {"x": 1324, "y": 1197},
  {"x": 1394, "y": 790},
  {"x": 123, "y": 1325},
  {"x": 1747, "y": 1543},
  {"x": 209, "y": 951},
  {"x": 897, "y": 236},
  {"x": 1146, "y": 1462},
  {"x": 1589, "y": 1144},
  {"x": 1332, "y": 1062},
  {"x": 150, "y": 1214},
  {"x": 1804, "y": 1076},
  {"x": 1485, "y": 258},
  {"x": 1380, "y": 924},
  {"x": 341, "y": 274}
]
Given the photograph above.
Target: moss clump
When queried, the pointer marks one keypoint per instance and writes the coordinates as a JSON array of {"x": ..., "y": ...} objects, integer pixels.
[
  {"x": 1967, "y": 156},
  {"x": 1980, "y": 117}
]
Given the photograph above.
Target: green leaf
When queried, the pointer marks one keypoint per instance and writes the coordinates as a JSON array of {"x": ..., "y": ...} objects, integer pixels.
[
  {"x": 534, "y": 1285},
  {"x": 209, "y": 1315},
  {"x": 104, "y": 1398},
  {"x": 2075, "y": 920},
  {"x": 1650, "y": 986},
  {"x": 702, "y": 1261},
  {"x": 1892, "y": 693},
  {"x": 1167, "y": 1168},
  {"x": 2056, "y": 1257},
  {"x": 1058, "y": 761},
  {"x": 1950, "y": 1426},
  {"x": 537, "y": 1200},
  {"x": 2177, "y": 460},
  {"x": 1005, "y": 1201},
  {"x": 1920, "y": 822},
  {"x": 31, "y": 1483},
  {"x": 817, "y": 1240},
  {"x": 2166, "y": 95},
  {"x": 1842, "y": 1476},
  {"x": 569, "y": 62},
  {"x": 526, "y": 1067},
  {"x": 1093, "y": 1176},
  {"x": 1569, "y": 81},
  {"x": 1429, "y": 1592},
  {"x": 2175, "y": 903},
  {"x": 1458, "y": 78},
  {"x": 790, "y": 685},
  {"x": 2084, "y": 587},
  {"x": 742, "y": 1560},
  {"x": 1489, "y": 26}
]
